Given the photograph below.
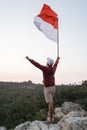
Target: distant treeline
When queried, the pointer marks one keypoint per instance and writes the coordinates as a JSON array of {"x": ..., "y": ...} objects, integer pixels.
[{"x": 24, "y": 101}]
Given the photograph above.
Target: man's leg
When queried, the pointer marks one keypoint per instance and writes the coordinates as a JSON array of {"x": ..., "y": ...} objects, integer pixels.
[
  {"x": 50, "y": 110},
  {"x": 49, "y": 92}
]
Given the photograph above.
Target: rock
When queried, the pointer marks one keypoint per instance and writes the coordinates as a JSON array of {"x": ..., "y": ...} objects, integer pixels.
[
  {"x": 77, "y": 114},
  {"x": 23, "y": 126},
  {"x": 73, "y": 123},
  {"x": 70, "y": 116},
  {"x": 2, "y": 128},
  {"x": 37, "y": 125},
  {"x": 70, "y": 106},
  {"x": 58, "y": 114}
]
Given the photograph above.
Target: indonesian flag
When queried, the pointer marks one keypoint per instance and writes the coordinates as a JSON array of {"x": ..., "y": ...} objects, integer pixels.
[{"x": 47, "y": 22}]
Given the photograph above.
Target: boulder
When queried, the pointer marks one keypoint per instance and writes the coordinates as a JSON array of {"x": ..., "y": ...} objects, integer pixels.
[{"x": 70, "y": 106}]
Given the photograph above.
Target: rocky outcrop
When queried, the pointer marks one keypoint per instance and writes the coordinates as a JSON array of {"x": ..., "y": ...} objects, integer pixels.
[{"x": 70, "y": 116}]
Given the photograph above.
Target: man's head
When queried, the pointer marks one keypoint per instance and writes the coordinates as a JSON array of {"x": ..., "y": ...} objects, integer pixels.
[{"x": 50, "y": 61}]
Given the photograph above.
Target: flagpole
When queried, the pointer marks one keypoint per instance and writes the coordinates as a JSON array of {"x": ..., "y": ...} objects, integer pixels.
[{"x": 58, "y": 41}]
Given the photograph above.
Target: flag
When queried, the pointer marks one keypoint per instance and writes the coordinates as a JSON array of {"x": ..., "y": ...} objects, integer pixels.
[{"x": 47, "y": 22}]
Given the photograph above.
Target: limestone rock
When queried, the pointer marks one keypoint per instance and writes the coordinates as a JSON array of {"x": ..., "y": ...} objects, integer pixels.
[
  {"x": 77, "y": 114},
  {"x": 70, "y": 116},
  {"x": 58, "y": 114},
  {"x": 2, "y": 128},
  {"x": 23, "y": 126},
  {"x": 37, "y": 125},
  {"x": 73, "y": 123},
  {"x": 70, "y": 106}
]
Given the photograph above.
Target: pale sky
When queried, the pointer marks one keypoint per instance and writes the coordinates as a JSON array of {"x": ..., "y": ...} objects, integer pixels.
[{"x": 20, "y": 37}]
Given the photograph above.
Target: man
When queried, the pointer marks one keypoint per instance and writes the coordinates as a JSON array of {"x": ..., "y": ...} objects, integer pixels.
[{"x": 49, "y": 82}]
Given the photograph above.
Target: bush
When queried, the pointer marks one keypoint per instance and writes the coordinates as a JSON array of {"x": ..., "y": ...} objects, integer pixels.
[{"x": 41, "y": 115}]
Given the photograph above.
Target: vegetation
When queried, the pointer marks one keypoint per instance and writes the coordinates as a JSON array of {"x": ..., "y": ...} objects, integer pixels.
[{"x": 24, "y": 101}]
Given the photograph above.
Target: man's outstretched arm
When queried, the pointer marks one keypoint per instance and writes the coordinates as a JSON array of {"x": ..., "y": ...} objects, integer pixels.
[
  {"x": 35, "y": 63},
  {"x": 55, "y": 64}
]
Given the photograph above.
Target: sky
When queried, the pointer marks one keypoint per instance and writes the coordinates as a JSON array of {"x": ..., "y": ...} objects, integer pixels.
[{"x": 19, "y": 37}]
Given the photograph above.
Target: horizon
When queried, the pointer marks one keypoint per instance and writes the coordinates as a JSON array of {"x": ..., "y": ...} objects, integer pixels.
[{"x": 79, "y": 83}]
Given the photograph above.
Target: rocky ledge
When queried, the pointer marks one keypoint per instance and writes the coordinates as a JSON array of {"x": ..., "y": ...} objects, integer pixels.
[{"x": 70, "y": 116}]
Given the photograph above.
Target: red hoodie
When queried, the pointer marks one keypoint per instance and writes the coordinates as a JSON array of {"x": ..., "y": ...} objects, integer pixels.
[{"x": 48, "y": 72}]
